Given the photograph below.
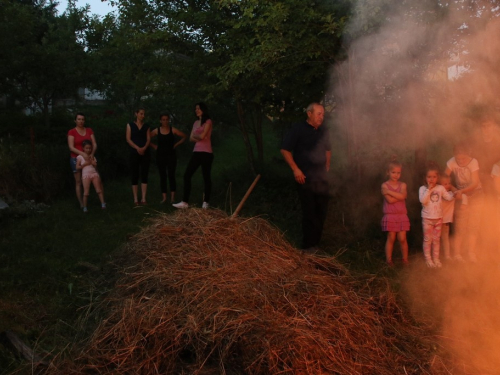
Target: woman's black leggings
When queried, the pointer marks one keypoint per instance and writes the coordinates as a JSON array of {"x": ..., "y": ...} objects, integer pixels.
[
  {"x": 139, "y": 165},
  {"x": 204, "y": 159},
  {"x": 166, "y": 166}
]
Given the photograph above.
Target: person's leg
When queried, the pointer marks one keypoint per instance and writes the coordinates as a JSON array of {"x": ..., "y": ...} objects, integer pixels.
[
  {"x": 162, "y": 171},
  {"x": 144, "y": 190},
  {"x": 436, "y": 241},
  {"x": 192, "y": 166},
  {"x": 135, "y": 190},
  {"x": 389, "y": 246},
  {"x": 134, "y": 170},
  {"x": 427, "y": 233},
  {"x": 321, "y": 208},
  {"x": 78, "y": 187},
  {"x": 309, "y": 217},
  {"x": 207, "y": 159},
  {"x": 445, "y": 240},
  {"x": 171, "y": 169},
  {"x": 78, "y": 180},
  {"x": 144, "y": 162},
  {"x": 86, "y": 190},
  {"x": 96, "y": 181},
  {"x": 403, "y": 244}
]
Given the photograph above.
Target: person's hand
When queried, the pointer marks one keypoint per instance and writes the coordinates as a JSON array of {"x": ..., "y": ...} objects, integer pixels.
[
  {"x": 140, "y": 150},
  {"x": 299, "y": 176},
  {"x": 458, "y": 194},
  {"x": 94, "y": 162},
  {"x": 86, "y": 157},
  {"x": 431, "y": 186}
]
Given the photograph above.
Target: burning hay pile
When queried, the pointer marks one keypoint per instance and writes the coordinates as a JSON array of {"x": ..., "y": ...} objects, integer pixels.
[{"x": 203, "y": 293}]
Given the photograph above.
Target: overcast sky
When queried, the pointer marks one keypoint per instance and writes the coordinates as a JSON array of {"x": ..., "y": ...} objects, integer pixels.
[{"x": 96, "y": 6}]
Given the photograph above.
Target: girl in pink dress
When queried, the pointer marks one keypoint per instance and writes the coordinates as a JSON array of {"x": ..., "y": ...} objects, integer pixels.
[
  {"x": 89, "y": 175},
  {"x": 395, "y": 221}
]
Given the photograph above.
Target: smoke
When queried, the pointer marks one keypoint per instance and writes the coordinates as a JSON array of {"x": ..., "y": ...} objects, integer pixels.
[
  {"x": 417, "y": 79},
  {"x": 414, "y": 80}
]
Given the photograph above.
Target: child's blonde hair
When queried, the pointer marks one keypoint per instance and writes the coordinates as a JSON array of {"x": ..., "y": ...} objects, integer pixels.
[
  {"x": 444, "y": 177},
  {"x": 393, "y": 162}
]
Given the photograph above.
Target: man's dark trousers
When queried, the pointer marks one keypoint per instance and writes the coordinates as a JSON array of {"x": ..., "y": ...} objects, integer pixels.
[{"x": 314, "y": 197}]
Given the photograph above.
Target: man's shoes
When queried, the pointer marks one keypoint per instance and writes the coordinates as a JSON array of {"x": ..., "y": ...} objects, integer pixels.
[{"x": 181, "y": 205}]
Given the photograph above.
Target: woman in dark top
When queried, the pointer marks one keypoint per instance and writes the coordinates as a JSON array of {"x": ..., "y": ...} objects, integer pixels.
[
  {"x": 166, "y": 158},
  {"x": 138, "y": 137}
]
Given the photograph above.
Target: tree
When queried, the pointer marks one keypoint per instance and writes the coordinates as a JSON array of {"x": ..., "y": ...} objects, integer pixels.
[
  {"x": 42, "y": 58},
  {"x": 271, "y": 58},
  {"x": 137, "y": 61}
]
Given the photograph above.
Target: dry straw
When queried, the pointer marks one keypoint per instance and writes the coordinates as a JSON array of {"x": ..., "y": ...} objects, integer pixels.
[{"x": 201, "y": 293}]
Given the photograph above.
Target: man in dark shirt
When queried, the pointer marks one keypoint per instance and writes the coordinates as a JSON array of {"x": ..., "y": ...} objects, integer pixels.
[{"x": 306, "y": 149}]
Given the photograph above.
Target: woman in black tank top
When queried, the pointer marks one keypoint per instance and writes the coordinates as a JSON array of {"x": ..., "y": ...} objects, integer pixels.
[
  {"x": 166, "y": 158},
  {"x": 138, "y": 136}
]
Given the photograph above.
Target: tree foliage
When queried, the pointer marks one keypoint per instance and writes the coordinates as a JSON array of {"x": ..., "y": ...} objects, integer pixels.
[
  {"x": 272, "y": 58},
  {"x": 42, "y": 58},
  {"x": 136, "y": 61}
]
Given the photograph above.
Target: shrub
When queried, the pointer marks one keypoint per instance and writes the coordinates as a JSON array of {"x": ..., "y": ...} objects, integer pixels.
[{"x": 27, "y": 176}]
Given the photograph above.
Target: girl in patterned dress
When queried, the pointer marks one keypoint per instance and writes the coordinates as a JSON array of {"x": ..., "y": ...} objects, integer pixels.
[{"x": 395, "y": 221}]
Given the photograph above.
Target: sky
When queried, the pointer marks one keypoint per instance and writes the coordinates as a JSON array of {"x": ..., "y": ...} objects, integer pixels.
[{"x": 96, "y": 6}]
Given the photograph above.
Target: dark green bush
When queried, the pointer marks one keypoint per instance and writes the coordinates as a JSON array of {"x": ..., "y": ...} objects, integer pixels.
[{"x": 27, "y": 174}]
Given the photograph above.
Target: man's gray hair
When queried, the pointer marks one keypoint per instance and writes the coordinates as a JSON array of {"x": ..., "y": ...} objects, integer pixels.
[{"x": 310, "y": 107}]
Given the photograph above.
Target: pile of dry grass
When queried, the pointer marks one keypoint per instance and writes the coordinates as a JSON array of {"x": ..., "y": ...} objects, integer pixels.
[{"x": 203, "y": 293}]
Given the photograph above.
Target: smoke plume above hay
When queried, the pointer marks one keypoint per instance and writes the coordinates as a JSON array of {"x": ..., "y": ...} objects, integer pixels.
[
  {"x": 417, "y": 79},
  {"x": 414, "y": 76}
]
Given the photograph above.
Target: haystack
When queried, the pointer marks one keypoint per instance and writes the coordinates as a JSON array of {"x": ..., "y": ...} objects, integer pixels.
[{"x": 201, "y": 293}]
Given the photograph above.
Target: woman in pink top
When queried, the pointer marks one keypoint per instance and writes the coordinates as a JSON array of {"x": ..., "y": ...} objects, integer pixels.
[
  {"x": 202, "y": 156},
  {"x": 75, "y": 138}
]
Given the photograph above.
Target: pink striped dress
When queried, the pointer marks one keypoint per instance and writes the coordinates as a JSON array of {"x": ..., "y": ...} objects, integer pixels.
[{"x": 395, "y": 215}]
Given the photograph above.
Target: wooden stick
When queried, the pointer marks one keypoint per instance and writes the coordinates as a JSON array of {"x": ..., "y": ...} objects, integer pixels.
[{"x": 240, "y": 206}]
